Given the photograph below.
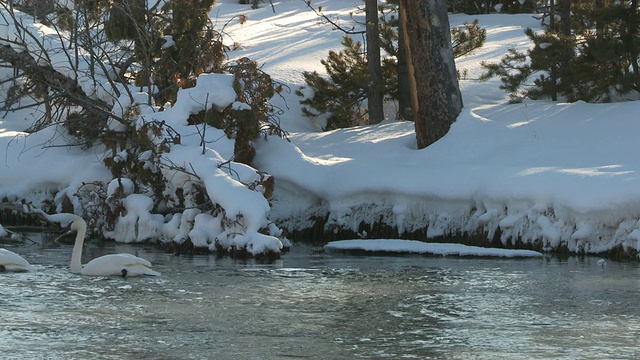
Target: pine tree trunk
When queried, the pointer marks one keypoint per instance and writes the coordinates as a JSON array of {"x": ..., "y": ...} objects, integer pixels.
[
  {"x": 567, "y": 52},
  {"x": 599, "y": 23},
  {"x": 554, "y": 69},
  {"x": 435, "y": 94},
  {"x": 404, "y": 90},
  {"x": 375, "y": 94},
  {"x": 635, "y": 52}
]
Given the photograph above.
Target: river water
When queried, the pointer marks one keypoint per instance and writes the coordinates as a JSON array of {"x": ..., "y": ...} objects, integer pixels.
[{"x": 317, "y": 305}]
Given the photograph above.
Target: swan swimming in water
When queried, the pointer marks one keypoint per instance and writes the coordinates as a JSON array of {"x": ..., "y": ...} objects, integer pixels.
[
  {"x": 108, "y": 265},
  {"x": 10, "y": 261}
]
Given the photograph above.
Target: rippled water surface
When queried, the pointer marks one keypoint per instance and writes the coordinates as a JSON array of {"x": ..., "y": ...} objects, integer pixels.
[{"x": 319, "y": 305}]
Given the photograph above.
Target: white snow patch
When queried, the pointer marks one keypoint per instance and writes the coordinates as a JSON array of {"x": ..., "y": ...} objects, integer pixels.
[
  {"x": 521, "y": 170},
  {"x": 418, "y": 247}
]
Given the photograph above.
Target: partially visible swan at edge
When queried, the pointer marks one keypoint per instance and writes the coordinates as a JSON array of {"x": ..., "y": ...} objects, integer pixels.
[
  {"x": 10, "y": 261},
  {"x": 108, "y": 265}
]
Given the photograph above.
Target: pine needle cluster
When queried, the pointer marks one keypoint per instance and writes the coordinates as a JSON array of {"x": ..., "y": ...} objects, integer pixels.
[
  {"x": 596, "y": 62},
  {"x": 341, "y": 94}
]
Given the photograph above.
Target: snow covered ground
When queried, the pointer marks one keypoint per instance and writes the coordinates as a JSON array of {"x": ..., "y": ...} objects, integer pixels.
[{"x": 543, "y": 172}]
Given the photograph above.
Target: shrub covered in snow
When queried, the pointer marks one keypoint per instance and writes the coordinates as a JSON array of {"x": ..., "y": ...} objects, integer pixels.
[{"x": 159, "y": 175}]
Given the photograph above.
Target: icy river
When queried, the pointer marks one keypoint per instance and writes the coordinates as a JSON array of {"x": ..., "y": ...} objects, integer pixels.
[{"x": 318, "y": 305}]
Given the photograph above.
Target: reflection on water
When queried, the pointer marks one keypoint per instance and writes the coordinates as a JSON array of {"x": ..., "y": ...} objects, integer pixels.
[{"x": 319, "y": 305}]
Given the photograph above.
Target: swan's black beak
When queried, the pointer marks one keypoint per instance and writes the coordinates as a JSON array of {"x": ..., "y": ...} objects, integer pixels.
[{"x": 124, "y": 273}]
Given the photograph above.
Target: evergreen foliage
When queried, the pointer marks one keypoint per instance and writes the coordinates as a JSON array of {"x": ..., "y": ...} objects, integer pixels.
[
  {"x": 197, "y": 47},
  {"x": 173, "y": 44},
  {"x": 597, "y": 62},
  {"x": 342, "y": 94},
  {"x": 466, "y": 38},
  {"x": 489, "y": 6},
  {"x": 125, "y": 19},
  {"x": 254, "y": 88}
]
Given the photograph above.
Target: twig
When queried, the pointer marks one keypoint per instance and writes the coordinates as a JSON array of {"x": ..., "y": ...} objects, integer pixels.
[{"x": 349, "y": 32}]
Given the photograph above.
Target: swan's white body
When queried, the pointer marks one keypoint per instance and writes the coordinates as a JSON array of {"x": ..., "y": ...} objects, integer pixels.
[
  {"x": 10, "y": 261},
  {"x": 107, "y": 265}
]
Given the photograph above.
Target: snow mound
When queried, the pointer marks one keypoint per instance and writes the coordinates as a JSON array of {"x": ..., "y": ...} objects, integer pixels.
[{"x": 418, "y": 247}]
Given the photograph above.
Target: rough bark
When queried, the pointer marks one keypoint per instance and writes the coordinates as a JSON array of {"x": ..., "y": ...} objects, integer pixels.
[
  {"x": 375, "y": 96},
  {"x": 635, "y": 51},
  {"x": 567, "y": 52},
  {"x": 404, "y": 90},
  {"x": 554, "y": 69},
  {"x": 435, "y": 94}
]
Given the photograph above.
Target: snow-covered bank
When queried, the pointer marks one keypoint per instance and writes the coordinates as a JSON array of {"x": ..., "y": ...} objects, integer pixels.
[
  {"x": 559, "y": 174},
  {"x": 554, "y": 174},
  {"x": 551, "y": 174}
]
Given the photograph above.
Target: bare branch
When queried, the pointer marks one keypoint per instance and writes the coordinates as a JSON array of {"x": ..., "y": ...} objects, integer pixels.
[{"x": 326, "y": 18}]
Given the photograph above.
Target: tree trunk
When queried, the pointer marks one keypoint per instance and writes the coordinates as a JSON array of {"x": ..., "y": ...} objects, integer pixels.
[
  {"x": 599, "y": 22},
  {"x": 554, "y": 68},
  {"x": 634, "y": 51},
  {"x": 375, "y": 94},
  {"x": 565, "y": 18},
  {"x": 435, "y": 94},
  {"x": 567, "y": 51},
  {"x": 404, "y": 90}
]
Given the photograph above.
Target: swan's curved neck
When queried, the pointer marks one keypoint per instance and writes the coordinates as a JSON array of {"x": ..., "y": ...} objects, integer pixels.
[{"x": 76, "y": 256}]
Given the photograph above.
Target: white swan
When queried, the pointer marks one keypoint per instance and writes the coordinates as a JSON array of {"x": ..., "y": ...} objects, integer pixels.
[
  {"x": 108, "y": 265},
  {"x": 10, "y": 261}
]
